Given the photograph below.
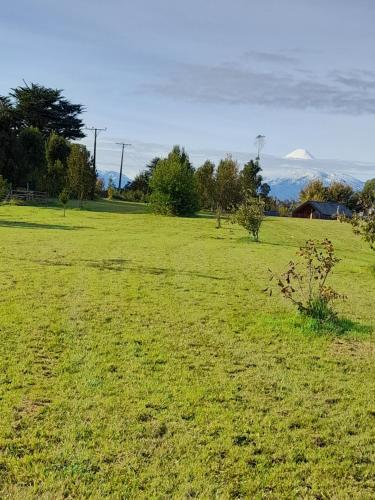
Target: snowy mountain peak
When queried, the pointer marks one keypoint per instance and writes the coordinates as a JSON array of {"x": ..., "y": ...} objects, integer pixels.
[
  {"x": 300, "y": 154},
  {"x": 107, "y": 174},
  {"x": 289, "y": 185}
]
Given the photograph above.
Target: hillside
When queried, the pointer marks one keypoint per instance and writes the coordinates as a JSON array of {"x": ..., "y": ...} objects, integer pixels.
[{"x": 139, "y": 358}]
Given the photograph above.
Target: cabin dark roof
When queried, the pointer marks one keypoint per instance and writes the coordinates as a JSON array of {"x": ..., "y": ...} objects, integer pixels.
[{"x": 327, "y": 208}]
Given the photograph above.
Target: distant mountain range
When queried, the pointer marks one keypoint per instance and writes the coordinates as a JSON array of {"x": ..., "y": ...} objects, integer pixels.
[
  {"x": 107, "y": 174},
  {"x": 296, "y": 169},
  {"x": 286, "y": 176}
]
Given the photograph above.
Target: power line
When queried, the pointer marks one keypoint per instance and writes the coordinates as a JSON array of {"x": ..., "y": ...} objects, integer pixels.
[
  {"x": 123, "y": 144},
  {"x": 95, "y": 130}
]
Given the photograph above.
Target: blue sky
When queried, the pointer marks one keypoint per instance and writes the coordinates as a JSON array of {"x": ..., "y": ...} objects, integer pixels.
[{"x": 209, "y": 74}]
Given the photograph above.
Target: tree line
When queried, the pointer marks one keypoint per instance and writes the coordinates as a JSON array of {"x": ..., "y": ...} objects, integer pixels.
[
  {"x": 37, "y": 127},
  {"x": 174, "y": 187},
  {"x": 340, "y": 192}
]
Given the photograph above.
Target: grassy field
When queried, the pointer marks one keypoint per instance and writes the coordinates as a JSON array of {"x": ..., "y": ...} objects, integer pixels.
[{"x": 139, "y": 358}]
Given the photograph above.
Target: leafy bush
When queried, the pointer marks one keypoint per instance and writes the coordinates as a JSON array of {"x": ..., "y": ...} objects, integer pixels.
[
  {"x": 304, "y": 282},
  {"x": 250, "y": 215},
  {"x": 135, "y": 195},
  {"x": 162, "y": 203}
]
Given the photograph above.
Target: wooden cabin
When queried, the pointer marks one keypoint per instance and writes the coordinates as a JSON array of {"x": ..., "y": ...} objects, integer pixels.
[{"x": 328, "y": 210}]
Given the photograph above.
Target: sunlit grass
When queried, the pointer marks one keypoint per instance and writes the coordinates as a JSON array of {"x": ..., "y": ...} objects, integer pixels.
[{"x": 141, "y": 359}]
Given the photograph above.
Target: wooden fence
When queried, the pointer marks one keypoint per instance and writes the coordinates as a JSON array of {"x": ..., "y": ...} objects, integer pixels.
[{"x": 26, "y": 195}]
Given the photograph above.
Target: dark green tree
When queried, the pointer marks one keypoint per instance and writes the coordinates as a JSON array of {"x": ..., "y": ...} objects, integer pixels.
[
  {"x": 57, "y": 148},
  {"x": 57, "y": 153},
  {"x": 227, "y": 193},
  {"x": 57, "y": 178},
  {"x": 31, "y": 159},
  {"x": 4, "y": 188},
  {"x": 140, "y": 183},
  {"x": 173, "y": 185},
  {"x": 250, "y": 179},
  {"x": 48, "y": 110},
  {"x": 8, "y": 141},
  {"x": 140, "y": 188}
]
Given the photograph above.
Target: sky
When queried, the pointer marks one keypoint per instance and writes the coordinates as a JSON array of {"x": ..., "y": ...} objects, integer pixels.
[{"x": 209, "y": 75}]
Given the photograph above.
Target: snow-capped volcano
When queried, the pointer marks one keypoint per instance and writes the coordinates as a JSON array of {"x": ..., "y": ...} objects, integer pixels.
[
  {"x": 299, "y": 154},
  {"x": 288, "y": 186},
  {"x": 288, "y": 175}
]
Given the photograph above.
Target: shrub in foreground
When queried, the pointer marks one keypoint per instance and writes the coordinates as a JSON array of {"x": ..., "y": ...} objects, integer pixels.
[{"x": 305, "y": 281}]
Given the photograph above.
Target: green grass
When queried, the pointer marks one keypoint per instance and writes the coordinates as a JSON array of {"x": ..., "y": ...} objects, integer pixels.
[{"x": 139, "y": 358}]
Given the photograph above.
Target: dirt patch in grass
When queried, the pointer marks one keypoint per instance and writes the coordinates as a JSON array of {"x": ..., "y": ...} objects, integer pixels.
[{"x": 353, "y": 348}]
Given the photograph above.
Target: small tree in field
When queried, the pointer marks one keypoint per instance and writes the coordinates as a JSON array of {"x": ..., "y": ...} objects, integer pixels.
[
  {"x": 250, "y": 215},
  {"x": 81, "y": 173},
  {"x": 64, "y": 198},
  {"x": 305, "y": 281},
  {"x": 365, "y": 227}
]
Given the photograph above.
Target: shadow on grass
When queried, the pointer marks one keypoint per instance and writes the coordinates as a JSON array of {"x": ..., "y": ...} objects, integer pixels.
[
  {"x": 121, "y": 265},
  {"x": 116, "y": 206},
  {"x": 35, "y": 225},
  {"x": 102, "y": 205},
  {"x": 281, "y": 244},
  {"x": 335, "y": 326},
  {"x": 127, "y": 265}
]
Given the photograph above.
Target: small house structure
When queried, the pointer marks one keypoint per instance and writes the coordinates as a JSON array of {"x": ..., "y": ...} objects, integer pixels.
[{"x": 328, "y": 210}]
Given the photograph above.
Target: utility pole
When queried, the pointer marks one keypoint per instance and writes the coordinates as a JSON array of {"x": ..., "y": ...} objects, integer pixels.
[
  {"x": 123, "y": 144},
  {"x": 95, "y": 130},
  {"x": 259, "y": 144}
]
